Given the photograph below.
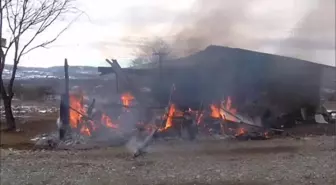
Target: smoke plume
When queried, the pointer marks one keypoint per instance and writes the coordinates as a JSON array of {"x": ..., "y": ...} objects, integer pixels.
[
  {"x": 301, "y": 29},
  {"x": 212, "y": 22}
]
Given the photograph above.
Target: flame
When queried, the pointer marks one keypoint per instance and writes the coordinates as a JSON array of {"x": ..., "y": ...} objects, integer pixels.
[
  {"x": 105, "y": 120},
  {"x": 226, "y": 112},
  {"x": 85, "y": 130},
  {"x": 199, "y": 118},
  {"x": 241, "y": 131},
  {"x": 77, "y": 110},
  {"x": 169, "y": 122},
  {"x": 77, "y": 117},
  {"x": 215, "y": 113},
  {"x": 126, "y": 99}
]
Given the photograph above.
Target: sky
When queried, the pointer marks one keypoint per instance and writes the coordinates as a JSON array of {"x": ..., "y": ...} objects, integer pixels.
[{"x": 302, "y": 29}]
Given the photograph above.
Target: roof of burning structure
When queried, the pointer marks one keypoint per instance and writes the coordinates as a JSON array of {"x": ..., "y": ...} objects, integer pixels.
[{"x": 215, "y": 54}]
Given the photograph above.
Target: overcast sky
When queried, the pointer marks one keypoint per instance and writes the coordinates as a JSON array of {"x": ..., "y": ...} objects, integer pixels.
[{"x": 298, "y": 28}]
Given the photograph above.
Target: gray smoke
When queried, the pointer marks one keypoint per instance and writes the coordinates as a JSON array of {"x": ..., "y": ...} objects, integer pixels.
[
  {"x": 313, "y": 38},
  {"x": 212, "y": 22},
  {"x": 230, "y": 23}
]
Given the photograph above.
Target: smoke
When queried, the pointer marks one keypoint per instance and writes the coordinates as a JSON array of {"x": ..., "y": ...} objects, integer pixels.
[
  {"x": 302, "y": 29},
  {"x": 313, "y": 37},
  {"x": 212, "y": 22}
]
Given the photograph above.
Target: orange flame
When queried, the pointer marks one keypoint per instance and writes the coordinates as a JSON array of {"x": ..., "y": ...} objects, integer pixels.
[
  {"x": 105, "y": 120},
  {"x": 126, "y": 99},
  {"x": 169, "y": 122},
  {"x": 241, "y": 131},
  {"x": 215, "y": 113},
  {"x": 76, "y": 103},
  {"x": 77, "y": 121}
]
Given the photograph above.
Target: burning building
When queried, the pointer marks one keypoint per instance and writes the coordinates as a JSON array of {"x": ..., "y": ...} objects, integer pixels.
[{"x": 225, "y": 85}]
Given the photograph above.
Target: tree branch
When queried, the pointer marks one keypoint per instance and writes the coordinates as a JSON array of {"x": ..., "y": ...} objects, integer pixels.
[
  {"x": 23, "y": 16},
  {"x": 45, "y": 24},
  {"x": 17, "y": 45},
  {"x": 44, "y": 44}
]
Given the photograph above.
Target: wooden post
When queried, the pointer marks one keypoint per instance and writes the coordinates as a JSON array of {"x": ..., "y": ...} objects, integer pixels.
[
  {"x": 67, "y": 89},
  {"x": 65, "y": 103},
  {"x": 63, "y": 108}
]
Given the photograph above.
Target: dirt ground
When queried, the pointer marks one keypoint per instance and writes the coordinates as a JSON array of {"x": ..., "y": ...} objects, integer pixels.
[
  {"x": 28, "y": 128},
  {"x": 308, "y": 160}
]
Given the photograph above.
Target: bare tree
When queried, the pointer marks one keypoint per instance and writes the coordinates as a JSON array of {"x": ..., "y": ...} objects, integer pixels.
[
  {"x": 151, "y": 52},
  {"x": 27, "y": 20}
]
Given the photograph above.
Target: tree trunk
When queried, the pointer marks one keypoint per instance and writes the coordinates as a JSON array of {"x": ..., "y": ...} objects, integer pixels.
[{"x": 9, "y": 113}]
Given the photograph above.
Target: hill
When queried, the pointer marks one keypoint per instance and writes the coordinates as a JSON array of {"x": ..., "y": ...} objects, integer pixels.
[{"x": 56, "y": 72}]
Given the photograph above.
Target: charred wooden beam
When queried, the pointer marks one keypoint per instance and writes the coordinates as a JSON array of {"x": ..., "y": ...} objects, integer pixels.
[
  {"x": 140, "y": 150},
  {"x": 63, "y": 115},
  {"x": 91, "y": 107},
  {"x": 64, "y": 106}
]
